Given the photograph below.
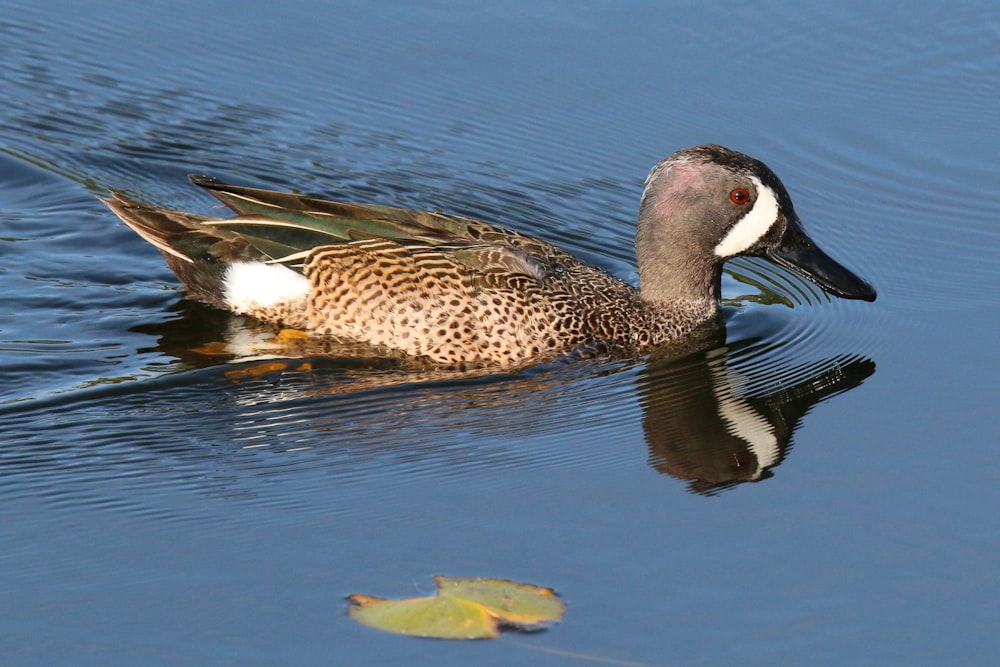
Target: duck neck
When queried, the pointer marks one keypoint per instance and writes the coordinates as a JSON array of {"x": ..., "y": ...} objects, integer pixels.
[
  {"x": 669, "y": 285},
  {"x": 673, "y": 272}
]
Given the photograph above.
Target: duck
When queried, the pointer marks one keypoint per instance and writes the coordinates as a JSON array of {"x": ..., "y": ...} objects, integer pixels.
[{"x": 460, "y": 292}]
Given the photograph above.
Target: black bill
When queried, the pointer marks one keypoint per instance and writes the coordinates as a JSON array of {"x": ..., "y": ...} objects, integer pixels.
[{"x": 797, "y": 252}]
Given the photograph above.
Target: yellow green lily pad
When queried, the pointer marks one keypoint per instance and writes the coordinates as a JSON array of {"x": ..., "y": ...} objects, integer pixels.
[
  {"x": 464, "y": 608},
  {"x": 437, "y": 617}
]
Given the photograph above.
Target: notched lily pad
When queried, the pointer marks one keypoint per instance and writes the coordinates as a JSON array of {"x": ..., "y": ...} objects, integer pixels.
[
  {"x": 516, "y": 604},
  {"x": 464, "y": 608}
]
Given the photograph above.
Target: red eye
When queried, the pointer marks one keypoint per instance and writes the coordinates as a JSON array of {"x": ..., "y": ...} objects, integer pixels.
[{"x": 739, "y": 196}]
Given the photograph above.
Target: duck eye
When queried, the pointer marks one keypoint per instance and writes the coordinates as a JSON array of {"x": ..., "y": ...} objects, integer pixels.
[{"x": 739, "y": 196}]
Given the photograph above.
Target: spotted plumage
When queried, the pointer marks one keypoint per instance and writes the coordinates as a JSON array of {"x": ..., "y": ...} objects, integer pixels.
[{"x": 461, "y": 292}]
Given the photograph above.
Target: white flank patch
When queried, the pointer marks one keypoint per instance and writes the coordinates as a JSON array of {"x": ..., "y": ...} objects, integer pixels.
[
  {"x": 753, "y": 225},
  {"x": 249, "y": 285}
]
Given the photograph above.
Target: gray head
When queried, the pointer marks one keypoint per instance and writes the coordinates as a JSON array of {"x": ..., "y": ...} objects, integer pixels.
[{"x": 706, "y": 204}]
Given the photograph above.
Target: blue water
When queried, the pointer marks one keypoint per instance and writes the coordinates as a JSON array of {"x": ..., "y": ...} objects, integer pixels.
[{"x": 165, "y": 499}]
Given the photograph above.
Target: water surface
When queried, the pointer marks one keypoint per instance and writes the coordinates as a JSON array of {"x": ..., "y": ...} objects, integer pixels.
[{"x": 816, "y": 487}]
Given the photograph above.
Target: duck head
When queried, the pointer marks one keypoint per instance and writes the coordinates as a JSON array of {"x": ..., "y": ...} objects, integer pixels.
[{"x": 704, "y": 205}]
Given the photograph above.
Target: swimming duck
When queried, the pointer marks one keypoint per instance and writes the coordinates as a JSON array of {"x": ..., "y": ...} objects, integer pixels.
[{"x": 459, "y": 292}]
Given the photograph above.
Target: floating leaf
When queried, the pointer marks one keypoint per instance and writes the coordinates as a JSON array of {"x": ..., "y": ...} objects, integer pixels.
[
  {"x": 516, "y": 604},
  {"x": 437, "y": 617},
  {"x": 464, "y": 608}
]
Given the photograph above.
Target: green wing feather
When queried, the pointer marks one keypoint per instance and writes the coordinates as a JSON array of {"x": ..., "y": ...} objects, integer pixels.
[{"x": 349, "y": 222}]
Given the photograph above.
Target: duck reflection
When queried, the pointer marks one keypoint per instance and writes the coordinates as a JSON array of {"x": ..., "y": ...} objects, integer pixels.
[
  {"x": 718, "y": 419},
  {"x": 714, "y": 413}
]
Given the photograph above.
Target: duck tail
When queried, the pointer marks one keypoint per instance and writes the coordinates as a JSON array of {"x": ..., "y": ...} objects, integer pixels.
[{"x": 197, "y": 253}]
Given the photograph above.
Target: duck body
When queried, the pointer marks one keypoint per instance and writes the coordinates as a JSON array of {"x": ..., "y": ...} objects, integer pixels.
[{"x": 461, "y": 292}]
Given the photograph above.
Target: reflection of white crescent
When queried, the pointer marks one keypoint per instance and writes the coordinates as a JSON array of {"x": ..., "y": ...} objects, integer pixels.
[{"x": 741, "y": 420}]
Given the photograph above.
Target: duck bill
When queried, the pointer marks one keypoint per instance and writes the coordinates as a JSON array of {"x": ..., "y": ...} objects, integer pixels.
[{"x": 796, "y": 251}]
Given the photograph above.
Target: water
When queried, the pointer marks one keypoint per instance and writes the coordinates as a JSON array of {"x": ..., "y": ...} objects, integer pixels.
[{"x": 163, "y": 500}]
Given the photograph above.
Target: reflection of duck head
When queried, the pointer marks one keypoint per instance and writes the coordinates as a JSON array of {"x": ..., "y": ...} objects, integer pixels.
[{"x": 717, "y": 422}]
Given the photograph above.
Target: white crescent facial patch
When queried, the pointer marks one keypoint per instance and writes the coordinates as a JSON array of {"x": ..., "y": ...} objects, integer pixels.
[{"x": 753, "y": 225}]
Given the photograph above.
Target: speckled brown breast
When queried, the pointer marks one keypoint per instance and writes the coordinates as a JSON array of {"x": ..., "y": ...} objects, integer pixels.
[{"x": 420, "y": 300}]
